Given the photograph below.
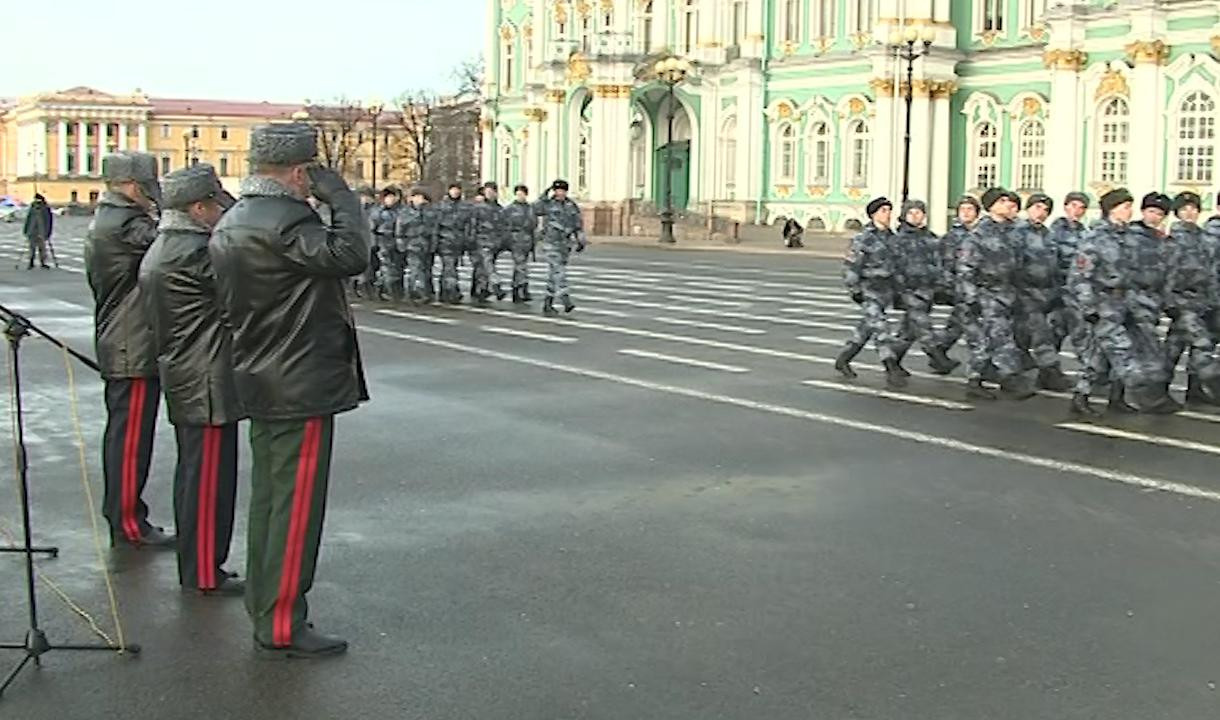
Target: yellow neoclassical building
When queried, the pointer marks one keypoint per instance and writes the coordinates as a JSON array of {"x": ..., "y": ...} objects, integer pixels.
[{"x": 52, "y": 143}]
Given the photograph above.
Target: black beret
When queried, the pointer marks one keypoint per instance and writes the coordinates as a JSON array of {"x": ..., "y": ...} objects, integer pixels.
[
  {"x": 559, "y": 185},
  {"x": 1041, "y": 199},
  {"x": 876, "y": 204},
  {"x": 1187, "y": 198},
  {"x": 1114, "y": 198},
  {"x": 1076, "y": 197},
  {"x": 283, "y": 145},
  {"x": 1157, "y": 200}
]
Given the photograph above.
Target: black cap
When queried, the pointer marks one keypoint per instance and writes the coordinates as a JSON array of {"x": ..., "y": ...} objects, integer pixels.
[
  {"x": 1187, "y": 198},
  {"x": 559, "y": 185},
  {"x": 995, "y": 194},
  {"x": 1114, "y": 198},
  {"x": 1157, "y": 200},
  {"x": 391, "y": 190},
  {"x": 1076, "y": 197},
  {"x": 1040, "y": 199},
  {"x": 454, "y": 185},
  {"x": 876, "y": 204},
  {"x": 491, "y": 185},
  {"x": 521, "y": 188},
  {"x": 969, "y": 200}
]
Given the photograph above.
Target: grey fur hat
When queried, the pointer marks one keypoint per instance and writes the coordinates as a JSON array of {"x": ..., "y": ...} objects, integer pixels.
[
  {"x": 914, "y": 205},
  {"x": 283, "y": 144},
  {"x": 190, "y": 185},
  {"x": 137, "y": 167}
]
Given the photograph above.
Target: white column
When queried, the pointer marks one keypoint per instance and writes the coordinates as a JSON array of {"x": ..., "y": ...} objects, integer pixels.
[
  {"x": 40, "y": 148},
  {"x": 122, "y": 136},
  {"x": 661, "y": 15},
  {"x": 921, "y": 142},
  {"x": 101, "y": 144},
  {"x": 1147, "y": 123},
  {"x": 61, "y": 147},
  {"x": 82, "y": 148},
  {"x": 1063, "y": 134},
  {"x": 142, "y": 137},
  {"x": 618, "y": 168},
  {"x": 752, "y": 128},
  {"x": 487, "y": 166},
  {"x": 882, "y": 180},
  {"x": 938, "y": 193}
]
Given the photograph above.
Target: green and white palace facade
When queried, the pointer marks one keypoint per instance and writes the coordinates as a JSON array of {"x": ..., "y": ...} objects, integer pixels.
[{"x": 797, "y": 108}]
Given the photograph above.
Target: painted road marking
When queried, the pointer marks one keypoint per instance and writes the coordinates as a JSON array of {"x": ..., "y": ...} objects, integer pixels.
[
  {"x": 527, "y": 334},
  {"x": 416, "y": 316},
  {"x": 1141, "y": 437},
  {"x": 888, "y": 394},
  {"x": 710, "y": 325},
  {"x": 684, "y": 361}
]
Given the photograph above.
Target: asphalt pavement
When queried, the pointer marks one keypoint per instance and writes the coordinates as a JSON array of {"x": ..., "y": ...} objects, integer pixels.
[{"x": 664, "y": 505}]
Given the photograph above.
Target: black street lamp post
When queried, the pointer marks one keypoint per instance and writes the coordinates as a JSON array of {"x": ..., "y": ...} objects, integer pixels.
[
  {"x": 672, "y": 71},
  {"x": 375, "y": 108},
  {"x": 902, "y": 47}
]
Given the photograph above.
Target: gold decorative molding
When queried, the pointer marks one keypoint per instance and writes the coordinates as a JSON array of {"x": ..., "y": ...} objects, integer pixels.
[
  {"x": 915, "y": 22},
  {"x": 1030, "y": 106},
  {"x": 607, "y": 6},
  {"x": 527, "y": 31},
  {"x": 855, "y": 193},
  {"x": 578, "y": 69},
  {"x": 1062, "y": 59},
  {"x": 861, "y": 39},
  {"x": 942, "y": 89},
  {"x": 486, "y": 125},
  {"x": 817, "y": 191},
  {"x": 535, "y": 114},
  {"x": 787, "y": 48},
  {"x": 1216, "y": 44},
  {"x": 882, "y": 87},
  {"x": 1154, "y": 52},
  {"x": 920, "y": 88},
  {"x": 525, "y": 134},
  {"x": 709, "y": 44},
  {"x": 556, "y": 96},
  {"x": 783, "y": 190},
  {"x": 988, "y": 37},
  {"x": 611, "y": 91},
  {"x": 822, "y": 44},
  {"x": 583, "y": 8},
  {"x": 855, "y": 106},
  {"x": 506, "y": 32},
  {"x": 1037, "y": 32},
  {"x": 1112, "y": 83},
  {"x": 785, "y": 111},
  {"x": 560, "y": 11},
  {"x": 752, "y": 37}
]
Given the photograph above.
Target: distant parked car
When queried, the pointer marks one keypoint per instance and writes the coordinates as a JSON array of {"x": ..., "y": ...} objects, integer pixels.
[{"x": 12, "y": 209}]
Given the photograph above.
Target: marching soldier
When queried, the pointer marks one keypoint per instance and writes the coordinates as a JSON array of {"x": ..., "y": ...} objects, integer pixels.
[
  {"x": 415, "y": 237},
  {"x": 296, "y": 364},
  {"x": 988, "y": 269},
  {"x": 1039, "y": 292},
  {"x": 917, "y": 254},
  {"x": 368, "y": 205},
  {"x": 520, "y": 228},
  {"x": 947, "y": 291},
  {"x": 120, "y": 234},
  {"x": 382, "y": 222},
  {"x": 452, "y": 236},
  {"x": 1191, "y": 289},
  {"x": 193, "y": 354},
  {"x": 1099, "y": 280},
  {"x": 870, "y": 274},
  {"x": 488, "y": 239},
  {"x": 561, "y": 224},
  {"x": 1066, "y": 232},
  {"x": 1145, "y": 245}
]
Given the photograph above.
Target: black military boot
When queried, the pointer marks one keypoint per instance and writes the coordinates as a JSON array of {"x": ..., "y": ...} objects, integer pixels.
[
  {"x": 898, "y": 358},
  {"x": 1154, "y": 400},
  {"x": 976, "y": 391},
  {"x": 1082, "y": 408},
  {"x": 307, "y": 644},
  {"x": 568, "y": 305},
  {"x": 843, "y": 361},
  {"x": 940, "y": 362},
  {"x": 1196, "y": 392},
  {"x": 1118, "y": 399},
  {"x": 991, "y": 373},
  {"x": 518, "y": 297},
  {"x": 1052, "y": 378},
  {"x": 499, "y": 291},
  {"x": 1027, "y": 361},
  {"x": 548, "y": 307},
  {"x": 525, "y": 293},
  {"x": 894, "y": 376},
  {"x": 1016, "y": 387}
]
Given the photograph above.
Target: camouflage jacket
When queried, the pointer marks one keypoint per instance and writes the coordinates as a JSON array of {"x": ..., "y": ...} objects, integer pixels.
[
  {"x": 488, "y": 223},
  {"x": 416, "y": 226},
  {"x": 917, "y": 258},
  {"x": 1066, "y": 234},
  {"x": 871, "y": 265},
  {"x": 1146, "y": 250},
  {"x": 1040, "y": 269},
  {"x": 1102, "y": 266},
  {"x": 382, "y": 221},
  {"x": 453, "y": 223},
  {"x": 560, "y": 220},
  {"x": 1190, "y": 268},
  {"x": 990, "y": 261},
  {"x": 520, "y": 223}
]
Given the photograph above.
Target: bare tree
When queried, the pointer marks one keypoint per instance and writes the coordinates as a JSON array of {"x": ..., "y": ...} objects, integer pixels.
[
  {"x": 338, "y": 133},
  {"x": 469, "y": 76},
  {"x": 416, "y": 109}
]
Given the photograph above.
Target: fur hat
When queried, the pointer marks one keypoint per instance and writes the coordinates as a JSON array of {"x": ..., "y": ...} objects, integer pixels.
[
  {"x": 876, "y": 204},
  {"x": 190, "y": 185},
  {"x": 1114, "y": 198},
  {"x": 283, "y": 145}
]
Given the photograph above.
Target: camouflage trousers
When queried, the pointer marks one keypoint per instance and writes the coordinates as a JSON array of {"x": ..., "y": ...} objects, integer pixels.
[
  {"x": 1034, "y": 330},
  {"x": 991, "y": 337},
  {"x": 916, "y": 323},
  {"x": 876, "y": 325},
  {"x": 1113, "y": 347},
  {"x": 451, "y": 257},
  {"x": 482, "y": 269},
  {"x": 521, "y": 262},
  {"x": 391, "y": 268},
  {"x": 1190, "y": 333},
  {"x": 419, "y": 270},
  {"x": 556, "y": 255}
]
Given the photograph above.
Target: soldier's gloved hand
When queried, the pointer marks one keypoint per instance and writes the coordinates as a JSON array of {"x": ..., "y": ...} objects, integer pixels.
[
  {"x": 857, "y": 297},
  {"x": 326, "y": 184},
  {"x": 1091, "y": 317}
]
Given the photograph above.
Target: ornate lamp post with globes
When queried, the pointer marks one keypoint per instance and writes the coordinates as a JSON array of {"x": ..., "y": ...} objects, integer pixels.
[
  {"x": 902, "y": 47},
  {"x": 671, "y": 71}
]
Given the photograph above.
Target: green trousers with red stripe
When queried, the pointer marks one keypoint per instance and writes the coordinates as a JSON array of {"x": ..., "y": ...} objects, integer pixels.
[{"x": 287, "y": 505}]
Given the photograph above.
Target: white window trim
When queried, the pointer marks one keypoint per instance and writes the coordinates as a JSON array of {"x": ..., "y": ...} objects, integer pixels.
[
  {"x": 976, "y": 158},
  {"x": 728, "y": 160},
  {"x": 979, "y": 11},
  {"x": 688, "y": 26},
  {"x": 823, "y": 19},
  {"x": 782, "y": 24},
  {"x": 811, "y": 152},
  {"x": 850, "y": 136},
  {"x": 1099, "y": 146},
  {"x": 508, "y": 61},
  {"x": 1176, "y": 143},
  {"x": 1019, "y": 156},
  {"x": 1027, "y": 19},
  {"x": 857, "y": 24},
  {"x": 645, "y": 26},
  {"x": 778, "y": 160}
]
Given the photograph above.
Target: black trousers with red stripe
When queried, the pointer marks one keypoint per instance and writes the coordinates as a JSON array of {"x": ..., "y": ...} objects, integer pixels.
[
  {"x": 205, "y": 496},
  {"x": 131, "y": 417}
]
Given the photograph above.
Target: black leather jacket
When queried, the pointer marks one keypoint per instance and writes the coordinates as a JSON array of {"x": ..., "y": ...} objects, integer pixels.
[
  {"x": 118, "y": 237},
  {"x": 192, "y": 339},
  {"x": 280, "y": 274}
]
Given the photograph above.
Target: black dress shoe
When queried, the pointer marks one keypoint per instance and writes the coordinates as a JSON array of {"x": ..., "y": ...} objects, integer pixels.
[
  {"x": 154, "y": 539},
  {"x": 229, "y": 586},
  {"x": 306, "y": 645}
]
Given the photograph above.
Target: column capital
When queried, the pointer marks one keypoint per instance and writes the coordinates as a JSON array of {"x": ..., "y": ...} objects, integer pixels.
[
  {"x": 882, "y": 87},
  {"x": 1143, "y": 52},
  {"x": 535, "y": 114},
  {"x": 556, "y": 96},
  {"x": 942, "y": 89},
  {"x": 1064, "y": 59}
]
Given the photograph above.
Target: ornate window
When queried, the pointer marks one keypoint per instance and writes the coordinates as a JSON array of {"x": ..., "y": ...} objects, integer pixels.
[
  {"x": 1113, "y": 135},
  {"x": 507, "y": 58},
  {"x": 643, "y": 28},
  {"x": 985, "y": 156},
  {"x": 862, "y": 16},
  {"x": 1031, "y": 12},
  {"x": 989, "y": 15},
  {"x": 818, "y": 172},
  {"x": 582, "y": 160},
  {"x": 690, "y": 27},
  {"x": 860, "y": 147},
  {"x": 506, "y": 162},
  {"x": 789, "y": 21},
  {"x": 785, "y": 154},
  {"x": 737, "y": 22},
  {"x": 586, "y": 33},
  {"x": 823, "y": 17},
  {"x": 1031, "y": 155},
  {"x": 1196, "y": 138},
  {"x": 728, "y": 158}
]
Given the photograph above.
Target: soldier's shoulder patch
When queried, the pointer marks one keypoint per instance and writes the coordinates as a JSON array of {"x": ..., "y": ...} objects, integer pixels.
[{"x": 1083, "y": 262}]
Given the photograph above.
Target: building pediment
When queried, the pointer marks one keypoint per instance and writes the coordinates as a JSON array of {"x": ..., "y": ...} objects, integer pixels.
[{"x": 82, "y": 95}]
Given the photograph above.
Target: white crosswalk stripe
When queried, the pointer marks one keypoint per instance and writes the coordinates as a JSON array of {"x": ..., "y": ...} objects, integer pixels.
[
  {"x": 888, "y": 394},
  {"x": 683, "y": 361}
]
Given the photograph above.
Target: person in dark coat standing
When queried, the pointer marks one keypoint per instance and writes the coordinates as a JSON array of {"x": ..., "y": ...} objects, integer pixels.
[
  {"x": 121, "y": 231},
  {"x": 296, "y": 364},
  {"x": 193, "y": 356},
  {"x": 37, "y": 230},
  {"x": 793, "y": 233}
]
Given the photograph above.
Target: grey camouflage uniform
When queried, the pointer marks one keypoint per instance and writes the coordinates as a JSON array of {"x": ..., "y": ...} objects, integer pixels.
[
  {"x": 488, "y": 232},
  {"x": 955, "y": 325},
  {"x": 521, "y": 227},
  {"x": 988, "y": 269},
  {"x": 918, "y": 264},
  {"x": 1039, "y": 292},
  {"x": 382, "y": 223},
  {"x": 453, "y": 237},
  {"x": 1067, "y": 322},
  {"x": 415, "y": 235},
  {"x": 1146, "y": 249},
  {"x": 561, "y": 220},
  {"x": 870, "y": 274},
  {"x": 1190, "y": 299}
]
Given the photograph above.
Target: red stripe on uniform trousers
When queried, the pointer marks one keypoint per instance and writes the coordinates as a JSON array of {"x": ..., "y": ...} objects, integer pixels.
[
  {"x": 290, "y": 573},
  {"x": 131, "y": 452},
  {"x": 203, "y": 578},
  {"x": 213, "y": 485}
]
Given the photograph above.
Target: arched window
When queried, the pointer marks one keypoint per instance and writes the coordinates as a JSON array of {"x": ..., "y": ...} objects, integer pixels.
[
  {"x": 985, "y": 153},
  {"x": 789, "y": 20},
  {"x": 785, "y": 155},
  {"x": 818, "y": 172},
  {"x": 860, "y": 147},
  {"x": 507, "y": 58},
  {"x": 1113, "y": 136},
  {"x": 1031, "y": 156},
  {"x": 728, "y": 158},
  {"x": 1196, "y": 138},
  {"x": 862, "y": 12},
  {"x": 643, "y": 28}
]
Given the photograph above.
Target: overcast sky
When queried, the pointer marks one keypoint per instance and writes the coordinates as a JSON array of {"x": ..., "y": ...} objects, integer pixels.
[{"x": 274, "y": 50}]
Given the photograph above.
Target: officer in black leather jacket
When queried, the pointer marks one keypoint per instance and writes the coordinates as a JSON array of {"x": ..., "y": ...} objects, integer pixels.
[
  {"x": 193, "y": 355},
  {"x": 121, "y": 231},
  {"x": 296, "y": 364}
]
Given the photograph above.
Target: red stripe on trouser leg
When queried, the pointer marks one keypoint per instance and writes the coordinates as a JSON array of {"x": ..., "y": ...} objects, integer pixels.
[
  {"x": 290, "y": 572},
  {"x": 205, "y": 512},
  {"x": 213, "y": 485},
  {"x": 128, "y": 485}
]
